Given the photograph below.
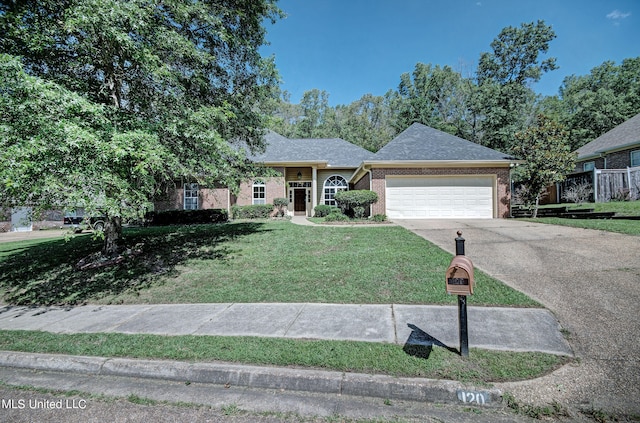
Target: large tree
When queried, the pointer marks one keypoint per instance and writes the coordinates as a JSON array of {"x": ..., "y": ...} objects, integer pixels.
[
  {"x": 547, "y": 156},
  {"x": 505, "y": 100},
  {"x": 176, "y": 81},
  {"x": 435, "y": 96},
  {"x": 592, "y": 104}
]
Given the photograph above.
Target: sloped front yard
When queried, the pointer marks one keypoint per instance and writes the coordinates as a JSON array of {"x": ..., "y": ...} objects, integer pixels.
[{"x": 267, "y": 261}]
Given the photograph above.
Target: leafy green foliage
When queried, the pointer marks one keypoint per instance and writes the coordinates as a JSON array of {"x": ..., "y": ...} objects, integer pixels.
[
  {"x": 61, "y": 150},
  {"x": 356, "y": 201},
  {"x": 379, "y": 217},
  {"x": 128, "y": 96},
  {"x": 281, "y": 205},
  {"x": 592, "y": 104},
  {"x": 336, "y": 216},
  {"x": 255, "y": 211},
  {"x": 322, "y": 210},
  {"x": 547, "y": 154},
  {"x": 186, "y": 217}
]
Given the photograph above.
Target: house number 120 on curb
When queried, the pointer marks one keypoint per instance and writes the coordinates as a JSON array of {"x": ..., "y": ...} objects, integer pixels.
[{"x": 472, "y": 397}]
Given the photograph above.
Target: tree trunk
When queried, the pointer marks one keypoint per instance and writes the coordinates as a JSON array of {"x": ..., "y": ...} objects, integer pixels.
[
  {"x": 535, "y": 208},
  {"x": 112, "y": 236}
]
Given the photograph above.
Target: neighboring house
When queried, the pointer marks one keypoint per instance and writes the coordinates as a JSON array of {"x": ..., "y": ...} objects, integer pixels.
[
  {"x": 610, "y": 165},
  {"x": 422, "y": 173},
  {"x": 617, "y": 149}
]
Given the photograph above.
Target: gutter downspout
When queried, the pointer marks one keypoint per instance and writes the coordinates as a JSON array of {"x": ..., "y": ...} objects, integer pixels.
[{"x": 371, "y": 189}]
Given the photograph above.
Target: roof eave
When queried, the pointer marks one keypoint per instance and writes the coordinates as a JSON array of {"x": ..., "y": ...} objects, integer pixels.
[
  {"x": 367, "y": 165},
  {"x": 441, "y": 163},
  {"x": 320, "y": 164},
  {"x": 601, "y": 152}
]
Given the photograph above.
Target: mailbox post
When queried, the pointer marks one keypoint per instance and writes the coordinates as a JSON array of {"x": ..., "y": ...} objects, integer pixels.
[{"x": 459, "y": 281}]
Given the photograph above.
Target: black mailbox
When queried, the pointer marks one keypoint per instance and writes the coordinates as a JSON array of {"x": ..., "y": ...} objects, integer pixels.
[{"x": 459, "y": 276}]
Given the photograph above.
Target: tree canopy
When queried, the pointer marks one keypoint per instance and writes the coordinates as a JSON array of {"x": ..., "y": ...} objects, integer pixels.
[
  {"x": 544, "y": 148},
  {"x": 487, "y": 105},
  {"x": 168, "y": 82}
]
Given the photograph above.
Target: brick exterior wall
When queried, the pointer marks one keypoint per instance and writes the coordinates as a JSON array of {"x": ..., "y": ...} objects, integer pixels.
[
  {"x": 616, "y": 160},
  {"x": 274, "y": 188},
  {"x": 364, "y": 182},
  {"x": 208, "y": 198},
  {"x": 503, "y": 183},
  {"x": 619, "y": 159}
]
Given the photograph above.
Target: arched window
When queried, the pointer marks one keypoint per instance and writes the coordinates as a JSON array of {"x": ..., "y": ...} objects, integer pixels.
[
  {"x": 332, "y": 185},
  {"x": 259, "y": 192}
]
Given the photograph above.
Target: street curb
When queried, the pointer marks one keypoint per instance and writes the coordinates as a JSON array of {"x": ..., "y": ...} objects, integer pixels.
[{"x": 318, "y": 381}]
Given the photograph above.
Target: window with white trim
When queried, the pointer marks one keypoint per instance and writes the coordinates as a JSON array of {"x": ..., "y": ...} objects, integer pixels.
[
  {"x": 259, "y": 192},
  {"x": 332, "y": 185},
  {"x": 635, "y": 158},
  {"x": 587, "y": 166},
  {"x": 191, "y": 196}
]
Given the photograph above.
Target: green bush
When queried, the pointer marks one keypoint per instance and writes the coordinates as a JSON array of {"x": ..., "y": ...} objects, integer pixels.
[
  {"x": 281, "y": 204},
  {"x": 380, "y": 218},
  {"x": 355, "y": 201},
  {"x": 323, "y": 210},
  {"x": 255, "y": 211},
  {"x": 336, "y": 216},
  {"x": 186, "y": 217}
]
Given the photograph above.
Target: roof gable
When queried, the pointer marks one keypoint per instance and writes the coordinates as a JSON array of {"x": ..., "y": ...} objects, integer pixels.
[
  {"x": 625, "y": 134},
  {"x": 422, "y": 143},
  {"x": 336, "y": 152}
]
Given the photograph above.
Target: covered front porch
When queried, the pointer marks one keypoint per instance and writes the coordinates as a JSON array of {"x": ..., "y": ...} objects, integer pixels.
[{"x": 308, "y": 186}]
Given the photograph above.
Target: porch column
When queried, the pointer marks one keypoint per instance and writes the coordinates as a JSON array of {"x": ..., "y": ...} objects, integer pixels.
[{"x": 314, "y": 189}]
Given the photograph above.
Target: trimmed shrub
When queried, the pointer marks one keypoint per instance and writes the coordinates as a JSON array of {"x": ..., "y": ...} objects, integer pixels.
[
  {"x": 255, "y": 211},
  {"x": 336, "y": 216},
  {"x": 186, "y": 217},
  {"x": 356, "y": 201},
  {"x": 380, "y": 218},
  {"x": 323, "y": 210},
  {"x": 281, "y": 204}
]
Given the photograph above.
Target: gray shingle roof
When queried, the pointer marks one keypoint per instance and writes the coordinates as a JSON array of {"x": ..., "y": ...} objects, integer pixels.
[
  {"x": 627, "y": 133},
  {"x": 420, "y": 142},
  {"x": 335, "y": 151}
]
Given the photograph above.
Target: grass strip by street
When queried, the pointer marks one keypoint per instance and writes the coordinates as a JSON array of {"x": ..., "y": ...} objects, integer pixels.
[
  {"x": 243, "y": 262},
  {"x": 482, "y": 366}
]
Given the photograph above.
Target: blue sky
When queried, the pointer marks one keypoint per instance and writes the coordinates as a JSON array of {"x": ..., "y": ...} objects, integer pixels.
[{"x": 353, "y": 47}]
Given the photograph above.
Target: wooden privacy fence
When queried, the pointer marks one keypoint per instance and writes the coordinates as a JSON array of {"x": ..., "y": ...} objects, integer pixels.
[
  {"x": 607, "y": 184},
  {"x": 617, "y": 184}
]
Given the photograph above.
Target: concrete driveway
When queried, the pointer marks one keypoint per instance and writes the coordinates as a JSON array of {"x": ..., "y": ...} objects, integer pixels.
[{"x": 589, "y": 279}]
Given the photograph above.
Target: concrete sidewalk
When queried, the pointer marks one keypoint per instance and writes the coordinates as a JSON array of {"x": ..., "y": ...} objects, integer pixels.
[{"x": 515, "y": 329}]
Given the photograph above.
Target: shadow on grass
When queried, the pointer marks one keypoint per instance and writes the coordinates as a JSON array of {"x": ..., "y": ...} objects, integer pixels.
[{"x": 47, "y": 273}]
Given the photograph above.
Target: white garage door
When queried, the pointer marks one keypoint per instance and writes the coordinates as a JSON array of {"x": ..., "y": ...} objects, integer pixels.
[{"x": 439, "y": 197}]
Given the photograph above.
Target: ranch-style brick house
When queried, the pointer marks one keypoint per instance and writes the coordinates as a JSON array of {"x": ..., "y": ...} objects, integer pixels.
[
  {"x": 422, "y": 173},
  {"x": 618, "y": 148}
]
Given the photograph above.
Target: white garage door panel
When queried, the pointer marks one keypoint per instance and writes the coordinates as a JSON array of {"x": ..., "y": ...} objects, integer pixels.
[{"x": 438, "y": 198}]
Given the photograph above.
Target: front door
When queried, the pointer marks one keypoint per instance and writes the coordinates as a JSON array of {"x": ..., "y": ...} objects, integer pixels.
[{"x": 299, "y": 201}]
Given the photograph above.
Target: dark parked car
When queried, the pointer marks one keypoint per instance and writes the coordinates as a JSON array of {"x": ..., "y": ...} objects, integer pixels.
[{"x": 78, "y": 223}]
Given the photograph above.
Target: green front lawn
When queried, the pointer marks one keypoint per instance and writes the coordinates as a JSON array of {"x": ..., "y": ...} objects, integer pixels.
[
  {"x": 621, "y": 208},
  {"x": 254, "y": 261}
]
